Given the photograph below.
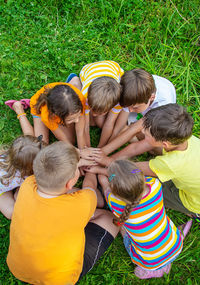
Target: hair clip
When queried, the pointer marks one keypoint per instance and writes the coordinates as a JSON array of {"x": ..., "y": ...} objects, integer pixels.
[
  {"x": 120, "y": 224},
  {"x": 111, "y": 177},
  {"x": 135, "y": 171},
  {"x": 40, "y": 140}
]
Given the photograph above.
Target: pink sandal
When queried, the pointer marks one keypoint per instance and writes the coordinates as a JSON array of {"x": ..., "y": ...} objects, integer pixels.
[
  {"x": 25, "y": 103},
  {"x": 147, "y": 274}
]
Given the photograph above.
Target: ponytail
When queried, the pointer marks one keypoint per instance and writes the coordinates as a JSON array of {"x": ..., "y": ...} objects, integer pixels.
[{"x": 125, "y": 214}]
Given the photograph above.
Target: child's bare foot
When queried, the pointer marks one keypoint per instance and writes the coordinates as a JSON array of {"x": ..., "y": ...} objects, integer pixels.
[{"x": 18, "y": 107}]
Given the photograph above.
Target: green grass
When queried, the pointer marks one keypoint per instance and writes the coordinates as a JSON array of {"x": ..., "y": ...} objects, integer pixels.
[{"x": 43, "y": 41}]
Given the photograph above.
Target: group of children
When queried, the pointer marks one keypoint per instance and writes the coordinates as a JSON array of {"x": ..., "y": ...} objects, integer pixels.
[{"x": 58, "y": 232}]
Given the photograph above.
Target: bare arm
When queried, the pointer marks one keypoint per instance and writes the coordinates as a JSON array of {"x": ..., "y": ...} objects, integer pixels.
[
  {"x": 80, "y": 132},
  {"x": 123, "y": 138},
  {"x": 120, "y": 124},
  {"x": 66, "y": 134},
  {"x": 133, "y": 149},
  {"x": 144, "y": 166},
  {"x": 87, "y": 129},
  {"x": 90, "y": 181},
  {"x": 107, "y": 129}
]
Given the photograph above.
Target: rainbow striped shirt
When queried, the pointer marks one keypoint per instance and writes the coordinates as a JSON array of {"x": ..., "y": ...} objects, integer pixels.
[
  {"x": 155, "y": 240},
  {"x": 92, "y": 71}
]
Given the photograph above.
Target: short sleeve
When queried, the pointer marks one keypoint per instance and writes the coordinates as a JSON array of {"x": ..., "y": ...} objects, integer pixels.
[
  {"x": 116, "y": 109},
  {"x": 88, "y": 201},
  {"x": 160, "y": 167}
]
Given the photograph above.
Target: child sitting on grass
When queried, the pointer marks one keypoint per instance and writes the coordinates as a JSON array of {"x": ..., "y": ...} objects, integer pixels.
[
  {"x": 16, "y": 163},
  {"x": 150, "y": 237},
  {"x": 141, "y": 92},
  {"x": 169, "y": 128},
  {"x": 101, "y": 89},
  {"x": 59, "y": 107},
  {"x": 56, "y": 236}
]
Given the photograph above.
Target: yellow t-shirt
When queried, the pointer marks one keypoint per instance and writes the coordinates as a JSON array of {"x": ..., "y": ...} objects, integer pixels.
[
  {"x": 182, "y": 167},
  {"x": 47, "y": 238},
  {"x": 94, "y": 70},
  {"x": 54, "y": 122}
]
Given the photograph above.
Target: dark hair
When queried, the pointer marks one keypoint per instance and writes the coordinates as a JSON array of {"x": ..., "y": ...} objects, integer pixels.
[
  {"x": 55, "y": 165},
  {"x": 170, "y": 122},
  {"x": 61, "y": 100},
  {"x": 137, "y": 87},
  {"x": 128, "y": 184},
  {"x": 19, "y": 157},
  {"x": 103, "y": 94}
]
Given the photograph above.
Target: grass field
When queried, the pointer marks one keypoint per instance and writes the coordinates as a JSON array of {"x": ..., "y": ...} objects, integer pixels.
[{"x": 43, "y": 41}]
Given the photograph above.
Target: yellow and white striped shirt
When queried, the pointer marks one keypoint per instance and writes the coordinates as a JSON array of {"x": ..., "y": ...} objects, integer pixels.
[{"x": 92, "y": 71}]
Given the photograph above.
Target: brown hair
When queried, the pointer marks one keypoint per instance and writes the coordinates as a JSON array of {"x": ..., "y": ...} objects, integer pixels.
[
  {"x": 61, "y": 100},
  {"x": 103, "y": 94},
  {"x": 126, "y": 182},
  {"x": 137, "y": 87},
  {"x": 19, "y": 157},
  {"x": 170, "y": 122},
  {"x": 55, "y": 165}
]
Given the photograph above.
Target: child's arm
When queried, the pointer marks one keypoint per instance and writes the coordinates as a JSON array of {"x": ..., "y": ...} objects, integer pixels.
[
  {"x": 107, "y": 128},
  {"x": 90, "y": 181},
  {"x": 103, "y": 180},
  {"x": 133, "y": 149},
  {"x": 124, "y": 137},
  {"x": 80, "y": 132},
  {"x": 120, "y": 124},
  {"x": 144, "y": 166},
  {"x": 63, "y": 133},
  {"x": 87, "y": 129}
]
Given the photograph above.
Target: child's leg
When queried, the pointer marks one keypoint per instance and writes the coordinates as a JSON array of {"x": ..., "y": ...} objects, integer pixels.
[
  {"x": 100, "y": 233},
  {"x": 172, "y": 199},
  {"x": 26, "y": 126},
  {"x": 7, "y": 204},
  {"x": 104, "y": 219},
  {"x": 40, "y": 129}
]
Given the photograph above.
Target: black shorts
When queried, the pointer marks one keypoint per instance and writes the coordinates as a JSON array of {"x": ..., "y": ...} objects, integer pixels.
[{"x": 97, "y": 241}]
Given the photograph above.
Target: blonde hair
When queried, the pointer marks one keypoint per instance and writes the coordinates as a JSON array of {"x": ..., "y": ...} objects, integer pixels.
[
  {"x": 103, "y": 94},
  {"x": 19, "y": 157},
  {"x": 55, "y": 165},
  {"x": 137, "y": 87},
  {"x": 127, "y": 182}
]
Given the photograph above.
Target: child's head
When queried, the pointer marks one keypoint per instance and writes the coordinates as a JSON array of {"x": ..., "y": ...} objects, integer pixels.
[
  {"x": 19, "y": 157},
  {"x": 55, "y": 166},
  {"x": 169, "y": 123},
  {"x": 127, "y": 183},
  {"x": 138, "y": 90},
  {"x": 103, "y": 94},
  {"x": 62, "y": 101}
]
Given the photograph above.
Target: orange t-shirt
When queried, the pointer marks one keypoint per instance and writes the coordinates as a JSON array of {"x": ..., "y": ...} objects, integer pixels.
[
  {"x": 47, "y": 238},
  {"x": 54, "y": 122}
]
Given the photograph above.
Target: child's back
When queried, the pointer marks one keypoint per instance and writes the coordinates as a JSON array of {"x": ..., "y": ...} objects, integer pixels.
[
  {"x": 47, "y": 237},
  {"x": 155, "y": 241}
]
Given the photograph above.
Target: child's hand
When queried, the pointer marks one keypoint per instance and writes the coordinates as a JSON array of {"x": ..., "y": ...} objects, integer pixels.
[
  {"x": 102, "y": 159},
  {"x": 89, "y": 152},
  {"x": 96, "y": 170},
  {"x": 86, "y": 162}
]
